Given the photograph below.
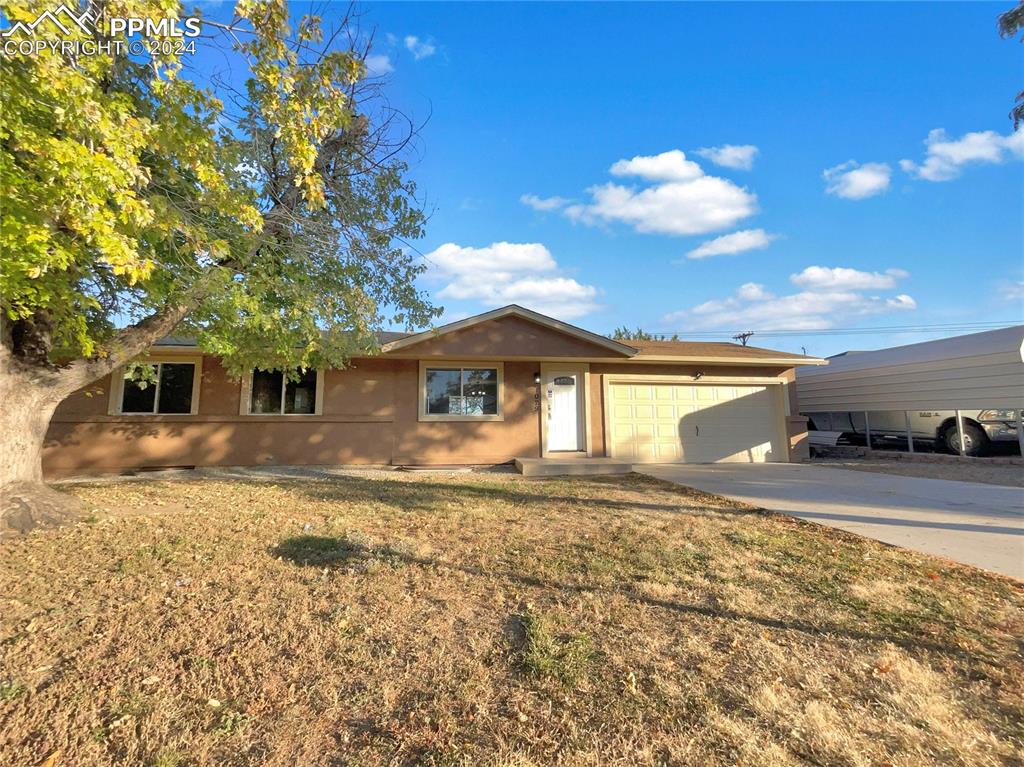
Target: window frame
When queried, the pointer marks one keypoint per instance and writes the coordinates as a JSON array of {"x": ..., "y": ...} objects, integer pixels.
[
  {"x": 421, "y": 403},
  {"x": 116, "y": 399},
  {"x": 245, "y": 402}
]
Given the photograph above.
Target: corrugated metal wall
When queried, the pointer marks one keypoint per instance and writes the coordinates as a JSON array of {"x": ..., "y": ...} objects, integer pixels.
[{"x": 982, "y": 370}]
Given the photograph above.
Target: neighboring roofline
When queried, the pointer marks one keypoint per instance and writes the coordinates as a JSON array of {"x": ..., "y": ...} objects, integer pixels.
[
  {"x": 517, "y": 311},
  {"x": 792, "y": 361}
]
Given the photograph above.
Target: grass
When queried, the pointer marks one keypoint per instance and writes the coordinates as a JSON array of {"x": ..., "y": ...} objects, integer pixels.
[{"x": 492, "y": 620}]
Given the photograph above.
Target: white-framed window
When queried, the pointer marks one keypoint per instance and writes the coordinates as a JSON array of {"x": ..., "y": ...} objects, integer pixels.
[
  {"x": 270, "y": 392},
  {"x": 170, "y": 387},
  {"x": 461, "y": 391}
]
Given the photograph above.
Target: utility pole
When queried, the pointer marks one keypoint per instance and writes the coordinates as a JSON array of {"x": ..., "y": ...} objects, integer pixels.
[{"x": 742, "y": 337}]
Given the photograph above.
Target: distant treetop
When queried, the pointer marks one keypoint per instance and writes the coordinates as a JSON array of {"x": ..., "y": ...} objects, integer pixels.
[{"x": 639, "y": 334}]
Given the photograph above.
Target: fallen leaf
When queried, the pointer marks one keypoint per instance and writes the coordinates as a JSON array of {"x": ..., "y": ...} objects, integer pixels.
[{"x": 51, "y": 760}]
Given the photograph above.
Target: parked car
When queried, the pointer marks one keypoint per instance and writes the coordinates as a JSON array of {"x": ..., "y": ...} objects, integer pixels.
[{"x": 982, "y": 428}]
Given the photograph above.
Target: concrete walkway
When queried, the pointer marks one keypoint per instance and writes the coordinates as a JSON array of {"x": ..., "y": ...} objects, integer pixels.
[{"x": 980, "y": 525}]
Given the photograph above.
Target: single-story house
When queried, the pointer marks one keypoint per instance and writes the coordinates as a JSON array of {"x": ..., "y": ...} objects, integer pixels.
[{"x": 504, "y": 384}]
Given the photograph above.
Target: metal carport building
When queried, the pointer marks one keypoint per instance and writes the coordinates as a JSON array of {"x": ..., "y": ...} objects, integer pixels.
[{"x": 951, "y": 376}]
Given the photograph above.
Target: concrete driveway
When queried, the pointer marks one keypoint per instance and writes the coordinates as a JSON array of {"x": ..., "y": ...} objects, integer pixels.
[{"x": 980, "y": 525}]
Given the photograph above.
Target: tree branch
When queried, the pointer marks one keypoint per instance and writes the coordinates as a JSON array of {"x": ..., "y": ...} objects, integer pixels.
[{"x": 133, "y": 340}]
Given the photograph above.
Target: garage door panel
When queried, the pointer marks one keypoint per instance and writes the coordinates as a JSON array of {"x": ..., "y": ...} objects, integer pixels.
[
  {"x": 665, "y": 412},
  {"x": 700, "y": 423}
]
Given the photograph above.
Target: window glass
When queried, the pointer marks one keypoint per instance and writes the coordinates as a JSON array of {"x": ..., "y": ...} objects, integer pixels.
[
  {"x": 480, "y": 391},
  {"x": 466, "y": 391},
  {"x": 300, "y": 396},
  {"x": 176, "y": 387},
  {"x": 139, "y": 395},
  {"x": 273, "y": 394},
  {"x": 266, "y": 391},
  {"x": 444, "y": 392},
  {"x": 169, "y": 391}
]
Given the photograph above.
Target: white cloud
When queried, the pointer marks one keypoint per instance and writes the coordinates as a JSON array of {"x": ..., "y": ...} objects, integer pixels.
[
  {"x": 420, "y": 49},
  {"x": 1012, "y": 290},
  {"x": 827, "y": 299},
  {"x": 736, "y": 242},
  {"x": 753, "y": 291},
  {"x": 857, "y": 182},
  {"x": 378, "y": 64},
  {"x": 945, "y": 157},
  {"x": 680, "y": 200},
  {"x": 697, "y": 206},
  {"x": 667, "y": 166},
  {"x": 510, "y": 273},
  {"x": 544, "y": 203},
  {"x": 902, "y": 301},
  {"x": 843, "y": 278},
  {"x": 706, "y": 204},
  {"x": 730, "y": 155}
]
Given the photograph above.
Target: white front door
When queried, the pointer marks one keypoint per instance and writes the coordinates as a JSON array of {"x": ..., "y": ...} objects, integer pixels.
[{"x": 563, "y": 398}]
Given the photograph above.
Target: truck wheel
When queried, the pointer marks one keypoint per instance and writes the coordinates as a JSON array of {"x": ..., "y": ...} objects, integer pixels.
[{"x": 975, "y": 440}]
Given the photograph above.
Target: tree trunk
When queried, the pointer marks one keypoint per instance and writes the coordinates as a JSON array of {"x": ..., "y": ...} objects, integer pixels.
[
  {"x": 25, "y": 501},
  {"x": 31, "y": 387}
]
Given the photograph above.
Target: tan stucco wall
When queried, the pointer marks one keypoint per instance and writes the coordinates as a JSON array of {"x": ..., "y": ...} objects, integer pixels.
[
  {"x": 355, "y": 428},
  {"x": 370, "y": 416}
]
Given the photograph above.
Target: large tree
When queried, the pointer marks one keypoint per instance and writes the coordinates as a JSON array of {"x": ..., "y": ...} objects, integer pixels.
[
  {"x": 264, "y": 213},
  {"x": 1010, "y": 24}
]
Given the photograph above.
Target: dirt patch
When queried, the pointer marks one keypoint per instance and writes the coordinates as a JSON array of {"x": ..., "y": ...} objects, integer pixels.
[
  {"x": 491, "y": 620},
  {"x": 988, "y": 474}
]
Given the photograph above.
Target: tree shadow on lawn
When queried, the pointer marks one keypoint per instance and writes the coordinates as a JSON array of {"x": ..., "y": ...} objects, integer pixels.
[
  {"x": 318, "y": 551},
  {"x": 430, "y": 495},
  {"x": 325, "y": 551}
]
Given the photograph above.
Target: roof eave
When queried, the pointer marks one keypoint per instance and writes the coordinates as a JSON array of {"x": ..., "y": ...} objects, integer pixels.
[{"x": 710, "y": 360}]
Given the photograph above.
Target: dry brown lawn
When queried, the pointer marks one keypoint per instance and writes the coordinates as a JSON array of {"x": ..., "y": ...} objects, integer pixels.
[{"x": 491, "y": 620}]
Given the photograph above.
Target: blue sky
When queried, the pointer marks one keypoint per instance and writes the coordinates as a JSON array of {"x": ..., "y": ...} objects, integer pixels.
[{"x": 599, "y": 111}]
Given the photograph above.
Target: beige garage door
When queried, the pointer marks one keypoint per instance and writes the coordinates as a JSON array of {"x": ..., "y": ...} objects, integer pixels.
[{"x": 663, "y": 423}]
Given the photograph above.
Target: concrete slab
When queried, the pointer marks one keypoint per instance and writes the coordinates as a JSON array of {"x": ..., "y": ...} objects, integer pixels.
[
  {"x": 560, "y": 467},
  {"x": 980, "y": 525}
]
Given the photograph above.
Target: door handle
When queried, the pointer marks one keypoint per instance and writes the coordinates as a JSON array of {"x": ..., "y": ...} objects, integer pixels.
[{"x": 698, "y": 430}]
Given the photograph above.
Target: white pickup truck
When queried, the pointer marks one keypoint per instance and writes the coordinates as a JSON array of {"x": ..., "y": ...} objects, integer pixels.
[{"x": 982, "y": 428}]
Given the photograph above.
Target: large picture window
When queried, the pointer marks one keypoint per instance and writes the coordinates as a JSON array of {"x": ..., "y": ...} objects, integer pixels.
[
  {"x": 271, "y": 393},
  {"x": 166, "y": 388},
  {"x": 461, "y": 393}
]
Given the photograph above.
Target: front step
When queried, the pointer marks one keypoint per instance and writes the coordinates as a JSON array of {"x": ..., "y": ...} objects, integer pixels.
[{"x": 576, "y": 467}]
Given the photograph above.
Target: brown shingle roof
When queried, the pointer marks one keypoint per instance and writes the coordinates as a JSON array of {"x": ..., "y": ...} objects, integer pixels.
[
  {"x": 383, "y": 337},
  {"x": 709, "y": 349}
]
